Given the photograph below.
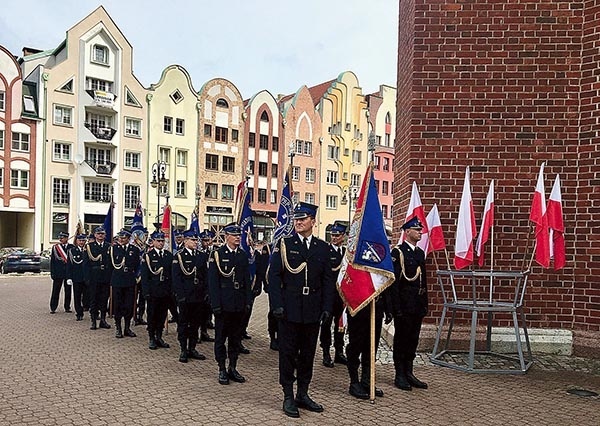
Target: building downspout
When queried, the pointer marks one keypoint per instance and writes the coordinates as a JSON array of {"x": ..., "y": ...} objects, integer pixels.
[{"x": 45, "y": 77}]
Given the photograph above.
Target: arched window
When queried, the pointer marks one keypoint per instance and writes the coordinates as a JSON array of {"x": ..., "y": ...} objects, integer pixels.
[
  {"x": 388, "y": 118},
  {"x": 222, "y": 103},
  {"x": 264, "y": 116}
]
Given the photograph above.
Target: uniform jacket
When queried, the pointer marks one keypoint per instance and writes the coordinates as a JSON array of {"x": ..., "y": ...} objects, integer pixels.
[
  {"x": 402, "y": 297},
  {"x": 335, "y": 259},
  {"x": 190, "y": 288},
  {"x": 58, "y": 264},
  {"x": 125, "y": 261},
  {"x": 229, "y": 293},
  {"x": 97, "y": 270},
  {"x": 303, "y": 295},
  {"x": 154, "y": 283},
  {"x": 75, "y": 266}
]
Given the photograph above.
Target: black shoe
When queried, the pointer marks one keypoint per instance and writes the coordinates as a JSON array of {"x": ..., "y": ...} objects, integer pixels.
[
  {"x": 129, "y": 333},
  {"x": 290, "y": 408},
  {"x": 223, "y": 377},
  {"x": 183, "y": 356},
  {"x": 210, "y": 325},
  {"x": 79, "y": 318},
  {"x": 304, "y": 401},
  {"x": 401, "y": 382},
  {"x": 246, "y": 336},
  {"x": 244, "y": 350},
  {"x": 68, "y": 311},
  {"x": 327, "y": 362},
  {"x": 152, "y": 343},
  {"x": 161, "y": 343},
  {"x": 416, "y": 383},
  {"x": 194, "y": 354},
  {"x": 274, "y": 345},
  {"x": 235, "y": 375},
  {"x": 118, "y": 333},
  {"x": 357, "y": 391},
  {"x": 205, "y": 337},
  {"x": 366, "y": 388},
  {"x": 93, "y": 326},
  {"x": 103, "y": 324},
  {"x": 52, "y": 312},
  {"x": 340, "y": 358}
]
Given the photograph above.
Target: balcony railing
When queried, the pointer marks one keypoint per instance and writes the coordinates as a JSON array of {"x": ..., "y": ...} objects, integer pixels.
[
  {"x": 102, "y": 168},
  {"x": 103, "y": 99},
  {"x": 101, "y": 132}
]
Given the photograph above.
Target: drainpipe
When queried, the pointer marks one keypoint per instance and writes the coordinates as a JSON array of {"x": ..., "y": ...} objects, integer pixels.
[
  {"x": 45, "y": 78},
  {"x": 149, "y": 97}
]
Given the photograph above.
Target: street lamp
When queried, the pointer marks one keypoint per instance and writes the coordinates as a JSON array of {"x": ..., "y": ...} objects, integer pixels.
[
  {"x": 198, "y": 196},
  {"x": 349, "y": 197},
  {"x": 159, "y": 181}
]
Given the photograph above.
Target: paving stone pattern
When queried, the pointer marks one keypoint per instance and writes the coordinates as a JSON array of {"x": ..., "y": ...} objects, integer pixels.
[{"x": 55, "y": 371}]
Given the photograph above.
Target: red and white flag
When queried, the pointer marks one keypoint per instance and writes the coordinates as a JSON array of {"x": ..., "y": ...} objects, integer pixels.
[
  {"x": 538, "y": 216},
  {"x": 415, "y": 208},
  {"x": 555, "y": 223},
  {"x": 487, "y": 223},
  {"x": 465, "y": 228},
  {"x": 436, "y": 235},
  {"x": 166, "y": 225}
]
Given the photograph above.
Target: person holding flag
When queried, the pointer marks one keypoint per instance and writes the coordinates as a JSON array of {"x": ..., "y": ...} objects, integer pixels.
[
  {"x": 406, "y": 301},
  {"x": 76, "y": 276},
  {"x": 96, "y": 263},
  {"x": 301, "y": 289},
  {"x": 59, "y": 260}
]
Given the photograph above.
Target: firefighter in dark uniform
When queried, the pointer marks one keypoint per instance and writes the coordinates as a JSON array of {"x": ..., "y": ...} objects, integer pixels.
[
  {"x": 76, "y": 276},
  {"x": 156, "y": 287},
  {"x": 96, "y": 264},
  {"x": 230, "y": 298},
  {"x": 336, "y": 252},
  {"x": 178, "y": 233},
  {"x": 406, "y": 301},
  {"x": 301, "y": 294},
  {"x": 189, "y": 286},
  {"x": 58, "y": 272},
  {"x": 139, "y": 236},
  {"x": 125, "y": 260},
  {"x": 206, "y": 248}
]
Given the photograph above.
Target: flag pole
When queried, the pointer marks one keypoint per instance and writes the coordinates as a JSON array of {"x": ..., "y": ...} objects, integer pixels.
[
  {"x": 373, "y": 350},
  {"x": 527, "y": 247},
  {"x": 491, "y": 262}
]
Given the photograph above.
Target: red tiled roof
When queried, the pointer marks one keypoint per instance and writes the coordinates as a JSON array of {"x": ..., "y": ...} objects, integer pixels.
[{"x": 317, "y": 92}]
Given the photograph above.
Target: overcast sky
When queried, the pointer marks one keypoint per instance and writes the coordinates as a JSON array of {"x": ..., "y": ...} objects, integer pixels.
[{"x": 277, "y": 45}]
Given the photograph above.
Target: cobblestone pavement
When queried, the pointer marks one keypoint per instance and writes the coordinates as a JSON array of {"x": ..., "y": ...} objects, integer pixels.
[{"x": 55, "y": 371}]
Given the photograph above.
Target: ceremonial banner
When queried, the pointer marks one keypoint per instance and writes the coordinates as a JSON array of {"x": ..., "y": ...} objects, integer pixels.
[
  {"x": 465, "y": 229},
  {"x": 285, "y": 224},
  {"x": 436, "y": 239},
  {"x": 245, "y": 221},
  {"x": 538, "y": 216},
  {"x": 166, "y": 228},
  {"x": 486, "y": 223},
  {"x": 555, "y": 222},
  {"x": 108, "y": 223}
]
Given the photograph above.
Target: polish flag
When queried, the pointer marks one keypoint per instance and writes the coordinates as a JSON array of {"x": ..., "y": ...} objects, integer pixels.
[
  {"x": 487, "y": 223},
  {"x": 436, "y": 235},
  {"x": 465, "y": 229},
  {"x": 415, "y": 208},
  {"x": 557, "y": 228},
  {"x": 538, "y": 216}
]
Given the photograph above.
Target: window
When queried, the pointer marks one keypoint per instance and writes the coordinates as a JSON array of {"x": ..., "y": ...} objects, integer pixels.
[
  {"x": 299, "y": 146},
  {"x": 60, "y": 192},
  {"x": 227, "y": 192},
  {"x": 100, "y": 54},
  {"x": 210, "y": 190},
  {"x": 29, "y": 104},
  {"x": 275, "y": 144},
  {"x": 356, "y": 156},
  {"x": 252, "y": 140},
  {"x": 1, "y": 176},
  {"x": 228, "y": 164},
  {"x": 262, "y": 169},
  {"x": 164, "y": 155},
  {"x": 133, "y": 127},
  {"x": 388, "y": 139},
  {"x": 132, "y": 195},
  {"x": 212, "y": 162},
  {"x": 63, "y": 115},
  {"x": 20, "y": 142},
  {"x": 384, "y": 187},
  {"x": 331, "y": 201},
  {"x": 220, "y": 134},
  {"x": 274, "y": 170},
  {"x": 273, "y": 196},
  {"x": 251, "y": 194},
  {"x": 222, "y": 103},
  {"x": 251, "y": 167},
  {"x": 180, "y": 188},
  {"x": 181, "y": 158},
  {"x": 179, "y": 126},
  {"x": 176, "y": 96},
  {"x": 97, "y": 156},
  {"x": 62, "y": 151},
  {"x": 132, "y": 160},
  {"x": 332, "y": 176},
  {"x": 295, "y": 173},
  {"x": 2, "y": 100},
  {"x": 384, "y": 211},
  {"x": 207, "y": 130},
  {"x": 295, "y": 198},
  {"x": 97, "y": 84},
  {"x": 355, "y": 180},
  {"x": 309, "y": 197},
  {"x": 386, "y": 164},
  {"x": 19, "y": 179},
  {"x": 168, "y": 124},
  {"x": 263, "y": 142},
  {"x": 96, "y": 191},
  {"x": 333, "y": 152},
  {"x": 262, "y": 195},
  {"x": 307, "y": 148},
  {"x": 164, "y": 190},
  {"x": 376, "y": 161},
  {"x": 1, "y": 139},
  {"x": 130, "y": 99},
  {"x": 310, "y": 175},
  {"x": 98, "y": 121},
  {"x": 264, "y": 116},
  {"x": 377, "y": 185},
  {"x": 234, "y": 135}
]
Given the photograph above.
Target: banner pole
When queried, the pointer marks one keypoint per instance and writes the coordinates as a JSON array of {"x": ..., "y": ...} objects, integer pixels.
[{"x": 373, "y": 351}]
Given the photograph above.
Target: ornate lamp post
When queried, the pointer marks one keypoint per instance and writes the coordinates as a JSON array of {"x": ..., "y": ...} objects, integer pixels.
[
  {"x": 159, "y": 181},
  {"x": 349, "y": 197}
]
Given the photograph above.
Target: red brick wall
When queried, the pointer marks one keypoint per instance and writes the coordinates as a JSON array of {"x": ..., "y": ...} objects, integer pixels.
[{"x": 501, "y": 86}]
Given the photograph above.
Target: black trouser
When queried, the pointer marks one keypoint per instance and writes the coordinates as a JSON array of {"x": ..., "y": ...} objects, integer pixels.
[
  {"x": 228, "y": 326},
  {"x": 297, "y": 346},
  {"x": 190, "y": 315},
  {"x": 157, "y": 313},
  {"x": 206, "y": 313},
  {"x": 141, "y": 302},
  {"x": 99, "y": 293},
  {"x": 407, "y": 329},
  {"x": 358, "y": 351},
  {"x": 338, "y": 336},
  {"x": 173, "y": 308},
  {"x": 80, "y": 294},
  {"x": 272, "y": 325},
  {"x": 247, "y": 315},
  {"x": 57, "y": 284},
  {"x": 122, "y": 299}
]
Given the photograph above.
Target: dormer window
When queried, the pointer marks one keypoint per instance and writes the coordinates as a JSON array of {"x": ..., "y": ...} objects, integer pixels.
[{"x": 100, "y": 54}]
